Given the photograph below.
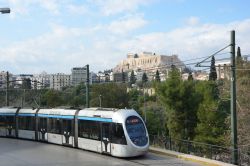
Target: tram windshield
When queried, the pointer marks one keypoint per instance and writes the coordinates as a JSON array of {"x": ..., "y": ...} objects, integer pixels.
[{"x": 136, "y": 131}]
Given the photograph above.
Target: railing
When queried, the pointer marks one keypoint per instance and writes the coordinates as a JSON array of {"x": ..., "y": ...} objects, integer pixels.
[{"x": 214, "y": 152}]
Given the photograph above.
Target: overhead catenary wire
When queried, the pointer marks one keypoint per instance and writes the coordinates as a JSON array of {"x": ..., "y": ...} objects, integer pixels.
[{"x": 199, "y": 63}]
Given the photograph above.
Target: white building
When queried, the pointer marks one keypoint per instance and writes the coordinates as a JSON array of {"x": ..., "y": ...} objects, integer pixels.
[
  {"x": 105, "y": 76},
  {"x": 40, "y": 81},
  {"x": 200, "y": 75},
  {"x": 19, "y": 79},
  {"x": 59, "y": 80},
  {"x": 78, "y": 75}
]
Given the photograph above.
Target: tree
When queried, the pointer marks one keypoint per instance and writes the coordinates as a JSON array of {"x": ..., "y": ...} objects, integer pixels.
[
  {"x": 52, "y": 98},
  {"x": 157, "y": 76},
  {"x": 133, "y": 96},
  {"x": 212, "y": 114},
  {"x": 132, "y": 78},
  {"x": 144, "y": 78},
  {"x": 181, "y": 103},
  {"x": 238, "y": 53},
  {"x": 243, "y": 100},
  {"x": 26, "y": 83},
  {"x": 239, "y": 61},
  {"x": 156, "y": 118},
  {"x": 113, "y": 95},
  {"x": 123, "y": 77},
  {"x": 212, "y": 74}
]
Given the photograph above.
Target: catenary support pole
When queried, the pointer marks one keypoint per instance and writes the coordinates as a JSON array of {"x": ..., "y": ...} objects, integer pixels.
[
  {"x": 7, "y": 89},
  {"x": 233, "y": 102},
  {"x": 87, "y": 87}
]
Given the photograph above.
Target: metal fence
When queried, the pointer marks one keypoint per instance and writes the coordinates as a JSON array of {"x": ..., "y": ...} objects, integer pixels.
[{"x": 214, "y": 152}]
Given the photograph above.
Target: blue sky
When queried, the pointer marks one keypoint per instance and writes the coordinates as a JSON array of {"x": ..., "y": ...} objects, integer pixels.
[{"x": 56, "y": 35}]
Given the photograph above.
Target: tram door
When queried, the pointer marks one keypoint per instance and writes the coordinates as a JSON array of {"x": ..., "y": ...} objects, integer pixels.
[
  {"x": 43, "y": 129},
  {"x": 67, "y": 132},
  {"x": 106, "y": 138}
]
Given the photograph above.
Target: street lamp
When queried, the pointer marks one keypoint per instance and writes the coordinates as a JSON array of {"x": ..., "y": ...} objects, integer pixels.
[{"x": 4, "y": 10}]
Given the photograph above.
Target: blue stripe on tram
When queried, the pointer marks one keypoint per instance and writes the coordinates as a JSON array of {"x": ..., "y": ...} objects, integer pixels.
[
  {"x": 95, "y": 119},
  {"x": 7, "y": 114},
  {"x": 23, "y": 114},
  {"x": 56, "y": 116}
]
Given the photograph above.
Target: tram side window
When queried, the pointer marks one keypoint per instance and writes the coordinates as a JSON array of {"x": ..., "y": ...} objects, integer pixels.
[
  {"x": 55, "y": 126},
  {"x": 94, "y": 130},
  {"x": 118, "y": 136},
  {"x": 67, "y": 126},
  {"x": 10, "y": 121},
  {"x": 26, "y": 123},
  {"x": 89, "y": 129},
  {"x": 82, "y": 129},
  {"x": 2, "y": 121},
  {"x": 42, "y": 123}
]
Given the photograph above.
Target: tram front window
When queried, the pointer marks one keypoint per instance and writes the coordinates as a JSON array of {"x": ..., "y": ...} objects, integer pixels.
[{"x": 136, "y": 131}]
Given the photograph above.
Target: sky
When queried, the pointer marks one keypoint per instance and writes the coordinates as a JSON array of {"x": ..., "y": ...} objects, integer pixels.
[{"x": 57, "y": 35}]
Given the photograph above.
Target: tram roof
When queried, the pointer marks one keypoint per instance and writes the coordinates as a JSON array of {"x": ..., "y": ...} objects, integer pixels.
[
  {"x": 8, "y": 109},
  {"x": 98, "y": 112},
  {"x": 57, "y": 111},
  {"x": 27, "y": 111},
  {"x": 101, "y": 109}
]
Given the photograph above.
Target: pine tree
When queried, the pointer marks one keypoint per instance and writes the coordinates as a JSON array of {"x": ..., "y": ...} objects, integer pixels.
[
  {"x": 132, "y": 78},
  {"x": 212, "y": 74},
  {"x": 123, "y": 77},
  {"x": 212, "y": 114},
  {"x": 144, "y": 78},
  {"x": 239, "y": 60},
  {"x": 238, "y": 52},
  {"x": 181, "y": 103},
  {"x": 157, "y": 76}
]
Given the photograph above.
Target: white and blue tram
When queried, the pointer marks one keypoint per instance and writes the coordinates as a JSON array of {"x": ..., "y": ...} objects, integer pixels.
[{"x": 116, "y": 132}]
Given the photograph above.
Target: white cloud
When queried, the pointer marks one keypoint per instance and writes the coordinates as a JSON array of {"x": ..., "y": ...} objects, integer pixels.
[
  {"x": 127, "y": 24},
  {"x": 192, "y": 42},
  {"x": 111, "y": 7},
  {"x": 59, "y": 50},
  {"x": 23, "y": 7},
  {"x": 78, "y": 9},
  {"x": 45, "y": 51},
  {"x": 192, "y": 21},
  {"x": 51, "y": 5},
  {"x": 65, "y": 47}
]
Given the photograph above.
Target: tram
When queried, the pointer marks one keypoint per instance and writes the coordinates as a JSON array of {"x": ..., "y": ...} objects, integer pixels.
[{"x": 116, "y": 132}]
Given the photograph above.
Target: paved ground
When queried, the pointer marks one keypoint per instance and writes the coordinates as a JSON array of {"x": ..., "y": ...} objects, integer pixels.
[{"x": 14, "y": 152}]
